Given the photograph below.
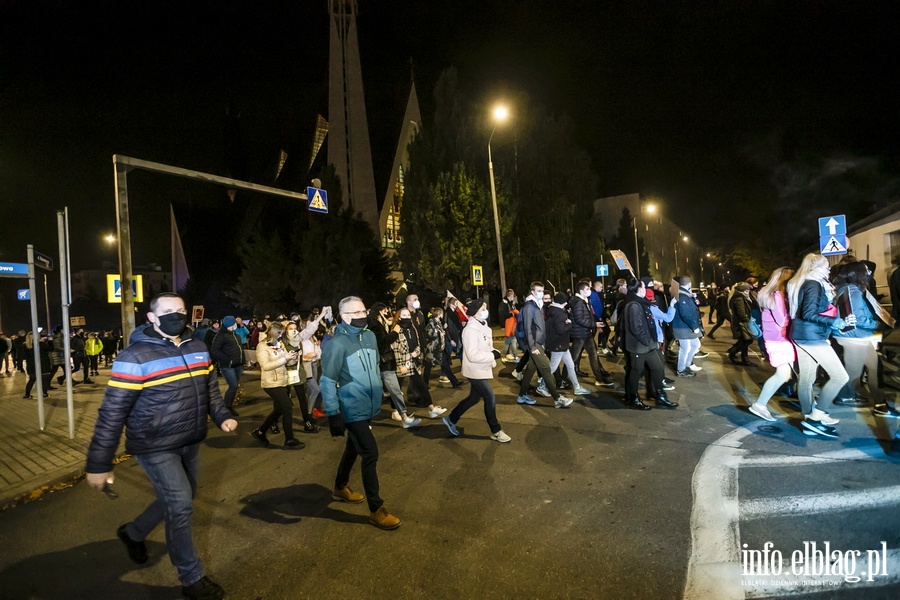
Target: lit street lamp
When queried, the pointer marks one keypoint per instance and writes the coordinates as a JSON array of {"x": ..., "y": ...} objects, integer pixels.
[
  {"x": 500, "y": 115},
  {"x": 109, "y": 238}
]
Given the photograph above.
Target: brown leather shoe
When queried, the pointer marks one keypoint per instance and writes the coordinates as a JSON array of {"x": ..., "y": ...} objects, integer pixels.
[
  {"x": 382, "y": 519},
  {"x": 345, "y": 494}
]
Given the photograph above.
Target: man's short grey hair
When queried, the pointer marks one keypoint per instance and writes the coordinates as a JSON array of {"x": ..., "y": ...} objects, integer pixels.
[{"x": 343, "y": 303}]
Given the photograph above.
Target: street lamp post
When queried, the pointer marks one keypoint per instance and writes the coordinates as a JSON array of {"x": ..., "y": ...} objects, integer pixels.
[
  {"x": 637, "y": 254},
  {"x": 500, "y": 114}
]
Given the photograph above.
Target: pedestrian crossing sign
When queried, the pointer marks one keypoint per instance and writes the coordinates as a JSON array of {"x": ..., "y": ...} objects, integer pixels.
[
  {"x": 114, "y": 288},
  {"x": 833, "y": 244},
  {"x": 317, "y": 200}
]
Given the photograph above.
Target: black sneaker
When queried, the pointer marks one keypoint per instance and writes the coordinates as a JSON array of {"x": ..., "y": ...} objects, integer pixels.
[
  {"x": 818, "y": 428},
  {"x": 686, "y": 373},
  {"x": 294, "y": 443},
  {"x": 885, "y": 411},
  {"x": 310, "y": 427},
  {"x": 850, "y": 402},
  {"x": 205, "y": 589},
  {"x": 668, "y": 381},
  {"x": 137, "y": 551},
  {"x": 261, "y": 436}
]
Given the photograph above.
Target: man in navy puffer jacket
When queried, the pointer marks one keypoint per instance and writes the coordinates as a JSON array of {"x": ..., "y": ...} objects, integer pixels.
[{"x": 161, "y": 390}]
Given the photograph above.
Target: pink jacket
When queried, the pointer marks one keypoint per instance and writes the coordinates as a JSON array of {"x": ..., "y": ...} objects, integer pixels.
[{"x": 776, "y": 322}]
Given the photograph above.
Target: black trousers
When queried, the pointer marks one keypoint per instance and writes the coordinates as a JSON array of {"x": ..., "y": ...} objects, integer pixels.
[
  {"x": 588, "y": 345},
  {"x": 634, "y": 368},
  {"x": 281, "y": 407},
  {"x": 32, "y": 380},
  {"x": 417, "y": 391},
  {"x": 720, "y": 319},
  {"x": 300, "y": 391},
  {"x": 361, "y": 442},
  {"x": 741, "y": 346}
]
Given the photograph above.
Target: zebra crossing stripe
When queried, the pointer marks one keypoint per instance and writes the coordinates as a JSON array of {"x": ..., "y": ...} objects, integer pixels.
[{"x": 759, "y": 508}]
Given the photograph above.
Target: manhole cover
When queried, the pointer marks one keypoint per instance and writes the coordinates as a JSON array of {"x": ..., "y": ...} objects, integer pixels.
[{"x": 769, "y": 429}]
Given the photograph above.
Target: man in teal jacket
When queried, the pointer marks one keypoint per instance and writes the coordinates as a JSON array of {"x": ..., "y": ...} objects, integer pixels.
[{"x": 351, "y": 395}]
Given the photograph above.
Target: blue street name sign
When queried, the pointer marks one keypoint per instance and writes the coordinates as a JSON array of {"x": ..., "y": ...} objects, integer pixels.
[
  {"x": 13, "y": 269},
  {"x": 602, "y": 270},
  {"x": 317, "y": 200},
  {"x": 43, "y": 261},
  {"x": 23, "y": 295}
]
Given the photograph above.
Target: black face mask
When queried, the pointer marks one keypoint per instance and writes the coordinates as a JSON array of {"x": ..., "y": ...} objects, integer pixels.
[
  {"x": 546, "y": 304},
  {"x": 359, "y": 322},
  {"x": 405, "y": 322},
  {"x": 172, "y": 324}
]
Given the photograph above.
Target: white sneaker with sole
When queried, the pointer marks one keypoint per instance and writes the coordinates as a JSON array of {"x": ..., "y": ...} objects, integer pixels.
[
  {"x": 410, "y": 422},
  {"x": 443, "y": 379},
  {"x": 563, "y": 402},
  {"x": 694, "y": 368},
  {"x": 823, "y": 417},
  {"x": 761, "y": 411},
  {"x": 582, "y": 391},
  {"x": 543, "y": 391},
  {"x": 501, "y": 437},
  {"x": 436, "y": 412},
  {"x": 518, "y": 375},
  {"x": 396, "y": 416}
]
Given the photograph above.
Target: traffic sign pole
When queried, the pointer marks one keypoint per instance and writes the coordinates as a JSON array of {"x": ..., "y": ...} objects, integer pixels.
[
  {"x": 36, "y": 340},
  {"x": 62, "y": 225}
]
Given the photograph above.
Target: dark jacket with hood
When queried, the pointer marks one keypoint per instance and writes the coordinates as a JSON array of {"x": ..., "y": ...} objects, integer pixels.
[
  {"x": 384, "y": 340},
  {"x": 584, "y": 321},
  {"x": 687, "y": 316},
  {"x": 226, "y": 349},
  {"x": 809, "y": 324},
  {"x": 161, "y": 394},
  {"x": 557, "y": 329},
  {"x": 638, "y": 326}
]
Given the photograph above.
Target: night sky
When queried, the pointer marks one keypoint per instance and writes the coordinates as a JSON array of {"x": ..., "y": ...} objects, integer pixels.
[{"x": 721, "y": 109}]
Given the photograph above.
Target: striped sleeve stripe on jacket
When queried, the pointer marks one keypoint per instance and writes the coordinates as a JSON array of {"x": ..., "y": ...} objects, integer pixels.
[{"x": 137, "y": 376}]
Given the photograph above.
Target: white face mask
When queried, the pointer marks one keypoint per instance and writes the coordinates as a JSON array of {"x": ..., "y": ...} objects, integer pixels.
[
  {"x": 416, "y": 305},
  {"x": 483, "y": 315}
]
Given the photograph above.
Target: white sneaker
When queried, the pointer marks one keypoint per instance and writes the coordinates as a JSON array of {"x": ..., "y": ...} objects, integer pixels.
[
  {"x": 582, "y": 391},
  {"x": 436, "y": 412},
  {"x": 823, "y": 417},
  {"x": 501, "y": 437},
  {"x": 510, "y": 358},
  {"x": 761, "y": 411},
  {"x": 563, "y": 402},
  {"x": 443, "y": 379},
  {"x": 410, "y": 422},
  {"x": 694, "y": 368},
  {"x": 396, "y": 416},
  {"x": 518, "y": 375},
  {"x": 543, "y": 391},
  {"x": 604, "y": 351}
]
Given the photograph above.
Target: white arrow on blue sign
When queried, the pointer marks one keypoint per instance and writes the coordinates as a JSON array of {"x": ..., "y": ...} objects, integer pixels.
[
  {"x": 834, "y": 225},
  {"x": 602, "y": 270},
  {"x": 23, "y": 295}
]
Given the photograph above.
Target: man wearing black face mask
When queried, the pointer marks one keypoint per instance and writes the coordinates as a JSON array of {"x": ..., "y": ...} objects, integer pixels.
[
  {"x": 161, "y": 390},
  {"x": 351, "y": 394}
]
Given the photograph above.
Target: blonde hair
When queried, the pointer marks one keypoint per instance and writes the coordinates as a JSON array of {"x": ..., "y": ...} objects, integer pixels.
[
  {"x": 810, "y": 262},
  {"x": 776, "y": 283}
]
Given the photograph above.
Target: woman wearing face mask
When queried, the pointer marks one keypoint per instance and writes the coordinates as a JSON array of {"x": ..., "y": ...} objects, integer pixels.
[
  {"x": 297, "y": 374},
  {"x": 414, "y": 351},
  {"x": 386, "y": 334},
  {"x": 478, "y": 361},
  {"x": 273, "y": 360},
  {"x": 814, "y": 319}
]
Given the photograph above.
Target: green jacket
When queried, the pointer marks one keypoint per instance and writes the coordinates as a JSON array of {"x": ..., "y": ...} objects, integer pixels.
[{"x": 351, "y": 379}]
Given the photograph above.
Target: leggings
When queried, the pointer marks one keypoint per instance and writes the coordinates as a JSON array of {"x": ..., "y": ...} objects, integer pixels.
[
  {"x": 810, "y": 356},
  {"x": 859, "y": 354},
  {"x": 781, "y": 376}
]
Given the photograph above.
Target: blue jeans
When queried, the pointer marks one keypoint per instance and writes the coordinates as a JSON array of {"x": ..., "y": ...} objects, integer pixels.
[
  {"x": 480, "y": 390},
  {"x": 173, "y": 474},
  {"x": 232, "y": 376},
  {"x": 392, "y": 385}
]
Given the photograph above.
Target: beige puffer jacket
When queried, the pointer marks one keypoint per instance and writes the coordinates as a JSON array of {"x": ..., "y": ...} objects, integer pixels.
[{"x": 272, "y": 366}]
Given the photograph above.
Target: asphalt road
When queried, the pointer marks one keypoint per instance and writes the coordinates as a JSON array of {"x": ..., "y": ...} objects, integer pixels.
[{"x": 594, "y": 501}]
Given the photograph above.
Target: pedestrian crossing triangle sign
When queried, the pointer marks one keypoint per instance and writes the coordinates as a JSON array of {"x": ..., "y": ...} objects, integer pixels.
[
  {"x": 317, "y": 200},
  {"x": 114, "y": 288},
  {"x": 833, "y": 244}
]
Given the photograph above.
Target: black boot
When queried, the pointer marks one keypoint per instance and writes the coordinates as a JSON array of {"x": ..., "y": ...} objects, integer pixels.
[
  {"x": 634, "y": 401},
  {"x": 663, "y": 400}
]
